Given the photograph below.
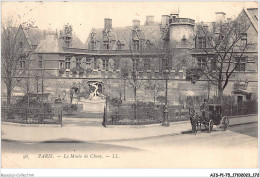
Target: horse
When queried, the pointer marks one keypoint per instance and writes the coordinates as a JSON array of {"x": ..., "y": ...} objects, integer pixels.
[{"x": 194, "y": 120}]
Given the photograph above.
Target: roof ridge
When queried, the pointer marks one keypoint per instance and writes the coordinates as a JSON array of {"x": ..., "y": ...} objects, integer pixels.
[{"x": 250, "y": 18}]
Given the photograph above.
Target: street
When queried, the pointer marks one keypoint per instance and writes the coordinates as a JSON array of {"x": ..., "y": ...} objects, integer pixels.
[{"x": 236, "y": 147}]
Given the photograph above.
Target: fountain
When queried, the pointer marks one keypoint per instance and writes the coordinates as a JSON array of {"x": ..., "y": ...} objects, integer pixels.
[{"x": 95, "y": 103}]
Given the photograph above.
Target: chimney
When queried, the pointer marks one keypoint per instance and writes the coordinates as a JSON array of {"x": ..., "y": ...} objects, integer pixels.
[
  {"x": 205, "y": 27},
  {"x": 149, "y": 20},
  {"x": 175, "y": 13},
  {"x": 107, "y": 24},
  {"x": 136, "y": 23},
  {"x": 165, "y": 21},
  {"x": 220, "y": 17}
]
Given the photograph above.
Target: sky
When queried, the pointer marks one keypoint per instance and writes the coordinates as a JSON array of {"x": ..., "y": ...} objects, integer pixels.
[{"x": 83, "y": 16}]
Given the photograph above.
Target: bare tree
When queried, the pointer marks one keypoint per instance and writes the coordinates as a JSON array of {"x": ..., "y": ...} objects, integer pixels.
[
  {"x": 14, "y": 55},
  {"x": 155, "y": 86},
  {"x": 226, "y": 46}
]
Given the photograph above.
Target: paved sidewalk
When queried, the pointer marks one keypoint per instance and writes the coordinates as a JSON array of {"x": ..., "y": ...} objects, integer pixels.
[{"x": 91, "y": 130}]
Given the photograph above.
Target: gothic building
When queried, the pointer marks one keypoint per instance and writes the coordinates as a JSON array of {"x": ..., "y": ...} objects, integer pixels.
[{"x": 64, "y": 62}]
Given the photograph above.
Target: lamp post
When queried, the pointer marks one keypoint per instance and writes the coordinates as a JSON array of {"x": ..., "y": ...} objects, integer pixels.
[
  {"x": 165, "y": 112},
  {"x": 37, "y": 85},
  {"x": 246, "y": 84}
]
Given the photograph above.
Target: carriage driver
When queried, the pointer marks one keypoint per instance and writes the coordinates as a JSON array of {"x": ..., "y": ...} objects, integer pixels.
[{"x": 204, "y": 108}]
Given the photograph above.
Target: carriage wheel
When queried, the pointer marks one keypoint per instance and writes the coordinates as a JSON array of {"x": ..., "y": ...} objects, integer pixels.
[
  {"x": 210, "y": 125},
  {"x": 225, "y": 123}
]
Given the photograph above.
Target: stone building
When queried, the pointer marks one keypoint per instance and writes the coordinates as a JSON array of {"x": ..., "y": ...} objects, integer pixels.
[{"x": 63, "y": 62}]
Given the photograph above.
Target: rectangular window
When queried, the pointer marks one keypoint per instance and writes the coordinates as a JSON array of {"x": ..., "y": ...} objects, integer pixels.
[
  {"x": 147, "y": 63},
  {"x": 244, "y": 39},
  {"x": 106, "y": 45},
  {"x": 78, "y": 63},
  {"x": 22, "y": 62},
  {"x": 93, "y": 45},
  {"x": 67, "y": 63},
  {"x": 40, "y": 61},
  {"x": 213, "y": 64},
  {"x": 201, "y": 62},
  {"x": 105, "y": 64},
  {"x": 61, "y": 65},
  {"x": 88, "y": 63},
  {"x": 202, "y": 42},
  {"x": 136, "y": 45},
  {"x": 240, "y": 63},
  {"x": 67, "y": 41}
]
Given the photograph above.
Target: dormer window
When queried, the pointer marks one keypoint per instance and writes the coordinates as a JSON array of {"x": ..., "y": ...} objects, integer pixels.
[
  {"x": 148, "y": 44},
  {"x": 136, "y": 44},
  {"x": 202, "y": 42},
  {"x": 93, "y": 44},
  {"x": 244, "y": 39},
  {"x": 21, "y": 44},
  {"x": 119, "y": 45},
  {"x": 22, "y": 62},
  {"x": 106, "y": 44},
  {"x": 67, "y": 41}
]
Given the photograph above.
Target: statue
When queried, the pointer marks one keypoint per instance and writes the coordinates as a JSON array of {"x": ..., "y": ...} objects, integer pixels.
[{"x": 95, "y": 95}]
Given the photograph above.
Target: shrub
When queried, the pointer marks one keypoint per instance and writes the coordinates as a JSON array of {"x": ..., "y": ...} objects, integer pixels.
[
  {"x": 81, "y": 71},
  {"x": 88, "y": 71},
  {"x": 61, "y": 71},
  {"x": 115, "y": 102},
  {"x": 69, "y": 108},
  {"x": 74, "y": 70}
]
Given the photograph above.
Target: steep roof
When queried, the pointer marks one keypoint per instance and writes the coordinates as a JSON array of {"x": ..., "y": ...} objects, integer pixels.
[
  {"x": 124, "y": 34},
  {"x": 252, "y": 14},
  {"x": 48, "y": 41},
  {"x": 33, "y": 35},
  {"x": 50, "y": 44}
]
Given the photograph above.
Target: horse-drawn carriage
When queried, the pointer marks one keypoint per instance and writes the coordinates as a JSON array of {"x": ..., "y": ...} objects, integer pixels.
[{"x": 211, "y": 114}]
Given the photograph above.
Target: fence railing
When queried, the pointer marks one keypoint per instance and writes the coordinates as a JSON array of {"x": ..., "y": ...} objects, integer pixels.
[
  {"x": 144, "y": 114},
  {"x": 32, "y": 115}
]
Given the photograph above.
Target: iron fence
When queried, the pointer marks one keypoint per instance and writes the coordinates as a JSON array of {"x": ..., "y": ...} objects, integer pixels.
[{"x": 32, "y": 115}]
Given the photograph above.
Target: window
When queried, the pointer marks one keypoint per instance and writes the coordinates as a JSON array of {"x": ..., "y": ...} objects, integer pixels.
[
  {"x": 244, "y": 38},
  {"x": 202, "y": 42},
  {"x": 61, "y": 65},
  {"x": 67, "y": 41},
  {"x": 213, "y": 64},
  {"x": 78, "y": 63},
  {"x": 240, "y": 63},
  {"x": 119, "y": 45},
  {"x": 22, "y": 62},
  {"x": 21, "y": 44},
  {"x": 40, "y": 64},
  {"x": 67, "y": 63},
  {"x": 136, "y": 45},
  {"x": 93, "y": 44},
  {"x": 88, "y": 64},
  {"x": 105, "y": 64},
  {"x": 148, "y": 44},
  {"x": 201, "y": 62},
  {"x": 40, "y": 61},
  {"x": 147, "y": 64},
  {"x": 106, "y": 44}
]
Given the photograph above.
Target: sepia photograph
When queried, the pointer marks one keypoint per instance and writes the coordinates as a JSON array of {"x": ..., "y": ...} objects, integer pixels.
[{"x": 129, "y": 85}]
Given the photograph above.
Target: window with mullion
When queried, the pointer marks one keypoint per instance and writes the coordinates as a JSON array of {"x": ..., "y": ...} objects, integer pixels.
[
  {"x": 88, "y": 64},
  {"x": 201, "y": 62},
  {"x": 105, "y": 64},
  {"x": 67, "y": 63},
  {"x": 240, "y": 64},
  {"x": 202, "y": 42},
  {"x": 22, "y": 62},
  {"x": 106, "y": 44},
  {"x": 136, "y": 45}
]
